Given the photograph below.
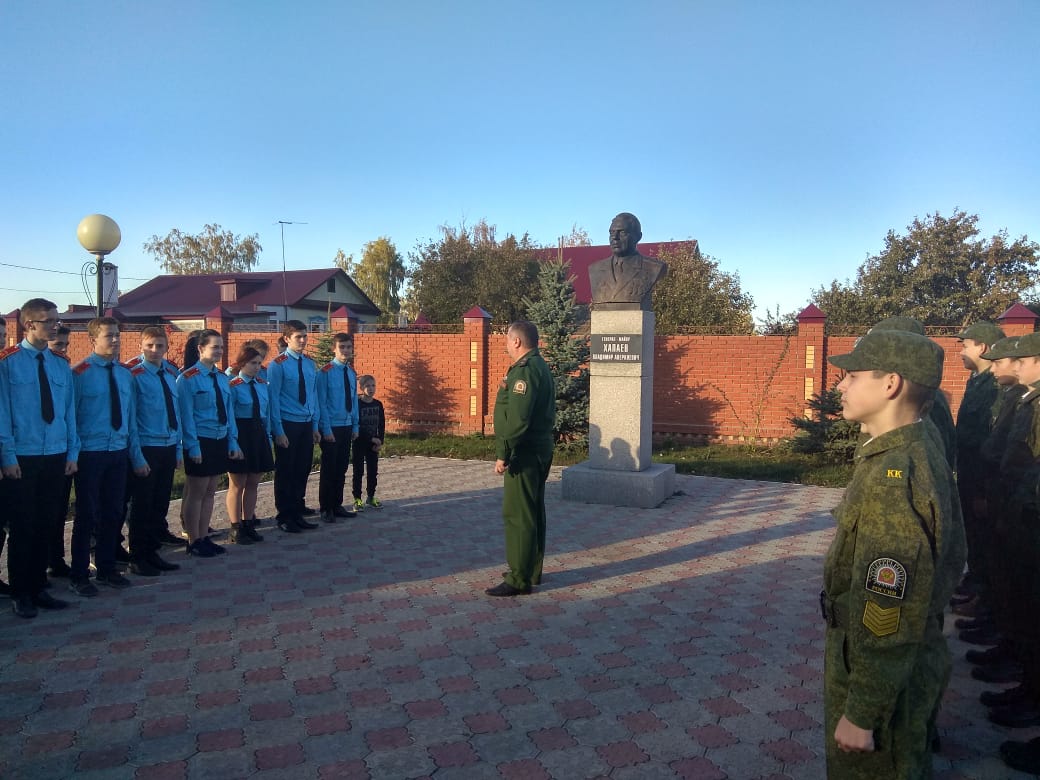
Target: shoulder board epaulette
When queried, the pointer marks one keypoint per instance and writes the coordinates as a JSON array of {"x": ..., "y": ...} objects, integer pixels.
[
  {"x": 260, "y": 380},
  {"x": 193, "y": 371},
  {"x": 80, "y": 368},
  {"x": 137, "y": 370},
  {"x": 133, "y": 362},
  {"x": 281, "y": 358},
  {"x": 172, "y": 369},
  {"x": 523, "y": 361},
  {"x": 237, "y": 381},
  {"x": 9, "y": 351},
  {"x": 327, "y": 367},
  {"x": 62, "y": 355},
  {"x": 128, "y": 365}
]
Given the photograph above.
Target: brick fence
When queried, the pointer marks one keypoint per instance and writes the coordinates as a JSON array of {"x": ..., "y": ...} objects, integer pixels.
[{"x": 706, "y": 388}]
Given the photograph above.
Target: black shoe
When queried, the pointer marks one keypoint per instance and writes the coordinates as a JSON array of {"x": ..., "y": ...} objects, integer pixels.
[
  {"x": 980, "y": 636},
  {"x": 123, "y": 555},
  {"x": 288, "y": 524},
  {"x": 1005, "y": 697},
  {"x": 342, "y": 511},
  {"x": 5, "y": 589},
  {"x": 305, "y": 524},
  {"x": 60, "y": 569},
  {"x": 994, "y": 655},
  {"x": 505, "y": 589},
  {"x": 309, "y": 511},
  {"x": 328, "y": 517},
  {"x": 216, "y": 548},
  {"x": 971, "y": 623},
  {"x": 143, "y": 568},
  {"x": 250, "y": 531},
  {"x": 45, "y": 600},
  {"x": 1007, "y": 672},
  {"x": 1023, "y": 756},
  {"x": 973, "y": 608},
  {"x": 160, "y": 563},
  {"x": 84, "y": 588},
  {"x": 239, "y": 535},
  {"x": 1016, "y": 716},
  {"x": 200, "y": 550},
  {"x": 216, "y": 533},
  {"x": 112, "y": 579},
  {"x": 168, "y": 539},
  {"x": 23, "y": 607}
]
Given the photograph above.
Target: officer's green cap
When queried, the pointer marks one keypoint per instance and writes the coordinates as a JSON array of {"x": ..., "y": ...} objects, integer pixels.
[
  {"x": 908, "y": 324},
  {"x": 1002, "y": 349},
  {"x": 984, "y": 332},
  {"x": 1026, "y": 346},
  {"x": 910, "y": 355}
]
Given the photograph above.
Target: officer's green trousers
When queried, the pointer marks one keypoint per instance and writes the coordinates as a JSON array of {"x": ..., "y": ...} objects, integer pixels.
[{"x": 523, "y": 514}]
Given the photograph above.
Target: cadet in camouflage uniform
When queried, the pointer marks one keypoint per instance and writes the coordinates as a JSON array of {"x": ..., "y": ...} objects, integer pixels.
[
  {"x": 895, "y": 559},
  {"x": 525, "y": 410}
]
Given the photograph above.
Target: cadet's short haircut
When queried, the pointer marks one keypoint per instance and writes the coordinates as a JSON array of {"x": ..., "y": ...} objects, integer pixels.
[
  {"x": 259, "y": 345},
  {"x": 245, "y": 354},
  {"x": 154, "y": 332},
  {"x": 206, "y": 336},
  {"x": 339, "y": 338},
  {"x": 366, "y": 379},
  {"x": 34, "y": 307},
  {"x": 95, "y": 325},
  {"x": 63, "y": 330},
  {"x": 290, "y": 327},
  {"x": 919, "y": 396},
  {"x": 526, "y": 331}
]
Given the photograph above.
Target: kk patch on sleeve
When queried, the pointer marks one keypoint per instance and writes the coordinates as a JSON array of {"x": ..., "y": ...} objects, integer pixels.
[{"x": 886, "y": 577}]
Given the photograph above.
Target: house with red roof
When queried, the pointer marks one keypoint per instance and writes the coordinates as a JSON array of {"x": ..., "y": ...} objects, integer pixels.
[{"x": 255, "y": 298}]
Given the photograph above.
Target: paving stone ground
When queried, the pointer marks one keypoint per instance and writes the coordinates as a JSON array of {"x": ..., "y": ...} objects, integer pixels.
[{"x": 678, "y": 642}]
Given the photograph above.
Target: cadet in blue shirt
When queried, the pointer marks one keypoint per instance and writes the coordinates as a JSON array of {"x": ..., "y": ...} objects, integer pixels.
[
  {"x": 106, "y": 416},
  {"x": 294, "y": 418},
  {"x": 337, "y": 400},
  {"x": 210, "y": 438},
  {"x": 252, "y": 412},
  {"x": 159, "y": 430},
  {"x": 39, "y": 445}
]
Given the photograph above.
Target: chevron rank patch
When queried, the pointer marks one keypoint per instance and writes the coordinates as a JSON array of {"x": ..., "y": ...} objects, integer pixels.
[
  {"x": 881, "y": 621},
  {"x": 520, "y": 387},
  {"x": 887, "y": 577}
]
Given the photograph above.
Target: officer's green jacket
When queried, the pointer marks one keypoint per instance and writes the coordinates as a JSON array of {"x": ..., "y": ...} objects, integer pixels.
[
  {"x": 897, "y": 555},
  {"x": 975, "y": 415},
  {"x": 525, "y": 407},
  {"x": 1020, "y": 466},
  {"x": 941, "y": 415}
]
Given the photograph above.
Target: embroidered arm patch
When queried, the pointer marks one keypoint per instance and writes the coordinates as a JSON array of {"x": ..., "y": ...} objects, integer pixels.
[
  {"x": 881, "y": 621},
  {"x": 520, "y": 387},
  {"x": 887, "y": 577}
]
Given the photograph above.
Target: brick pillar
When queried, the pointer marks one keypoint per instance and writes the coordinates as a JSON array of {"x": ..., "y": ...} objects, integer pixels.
[
  {"x": 476, "y": 327},
  {"x": 811, "y": 326},
  {"x": 1016, "y": 321},
  {"x": 220, "y": 320},
  {"x": 343, "y": 320},
  {"x": 14, "y": 332}
]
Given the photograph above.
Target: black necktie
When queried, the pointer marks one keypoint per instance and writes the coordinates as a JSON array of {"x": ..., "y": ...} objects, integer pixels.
[
  {"x": 115, "y": 407},
  {"x": 46, "y": 399},
  {"x": 303, "y": 385},
  {"x": 346, "y": 389},
  {"x": 221, "y": 409},
  {"x": 171, "y": 415},
  {"x": 256, "y": 401}
]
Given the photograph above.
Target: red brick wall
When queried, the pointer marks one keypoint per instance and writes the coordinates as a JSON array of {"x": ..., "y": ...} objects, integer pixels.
[{"x": 721, "y": 388}]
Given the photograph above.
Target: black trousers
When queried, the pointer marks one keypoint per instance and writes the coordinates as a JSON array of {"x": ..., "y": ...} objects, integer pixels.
[
  {"x": 335, "y": 458},
  {"x": 365, "y": 458},
  {"x": 292, "y": 467},
  {"x": 33, "y": 504},
  {"x": 100, "y": 485},
  {"x": 150, "y": 501}
]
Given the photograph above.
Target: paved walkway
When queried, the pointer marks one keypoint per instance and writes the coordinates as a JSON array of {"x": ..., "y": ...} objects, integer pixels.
[{"x": 682, "y": 641}]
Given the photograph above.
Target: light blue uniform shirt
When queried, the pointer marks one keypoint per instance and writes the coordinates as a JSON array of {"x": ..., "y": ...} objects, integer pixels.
[
  {"x": 284, "y": 378},
  {"x": 336, "y": 381},
  {"x": 94, "y": 410},
  {"x": 22, "y": 429},
  {"x": 153, "y": 426},
  {"x": 243, "y": 399},
  {"x": 198, "y": 407}
]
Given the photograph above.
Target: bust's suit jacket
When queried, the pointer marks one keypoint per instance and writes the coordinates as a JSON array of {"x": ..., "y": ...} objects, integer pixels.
[{"x": 632, "y": 285}]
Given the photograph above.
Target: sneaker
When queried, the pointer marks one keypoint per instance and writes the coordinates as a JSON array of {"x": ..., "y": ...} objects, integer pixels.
[
  {"x": 358, "y": 504},
  {"x": 200, "y": 550},
  {"x": 374, "y": 502},
  {"x": 83, "y": 588},
  {"x": 112, "y": 579}
]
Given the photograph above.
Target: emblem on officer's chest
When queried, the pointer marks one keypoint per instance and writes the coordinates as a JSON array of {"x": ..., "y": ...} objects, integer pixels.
[
  {"x": 887, "y": 577},
  {"x": 520, "y": 387}
]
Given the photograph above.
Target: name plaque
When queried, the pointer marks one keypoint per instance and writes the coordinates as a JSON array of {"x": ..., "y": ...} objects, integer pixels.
[{"x": 616, "y": 348}]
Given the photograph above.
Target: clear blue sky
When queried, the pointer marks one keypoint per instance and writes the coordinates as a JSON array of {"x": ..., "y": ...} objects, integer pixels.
[{"x": 787, "y": 137}]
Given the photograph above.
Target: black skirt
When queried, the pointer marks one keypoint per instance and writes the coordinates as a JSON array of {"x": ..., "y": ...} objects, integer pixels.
[
  {"x": 214, "y": 459},
  {"x": 256, "y": 449}
]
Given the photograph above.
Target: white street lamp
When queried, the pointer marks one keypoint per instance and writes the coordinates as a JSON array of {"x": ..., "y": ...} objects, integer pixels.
[{"x": 100, "y": 236}]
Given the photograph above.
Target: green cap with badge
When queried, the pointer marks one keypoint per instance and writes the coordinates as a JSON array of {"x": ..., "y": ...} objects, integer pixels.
[
  {"x": 1026, "y": 346},
  {"x": 912, "y": 356},
  {"x": 1002, "y": 348},
  {"x": 983, "y": 332}
]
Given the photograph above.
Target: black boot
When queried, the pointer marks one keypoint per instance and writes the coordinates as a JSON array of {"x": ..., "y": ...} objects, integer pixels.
[
  {"x": 249, "y": 526},
  {"x": 239, "y": 535}
]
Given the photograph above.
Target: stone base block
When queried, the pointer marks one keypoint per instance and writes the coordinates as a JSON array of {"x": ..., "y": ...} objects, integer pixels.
[{"x": 645, "y": 489}]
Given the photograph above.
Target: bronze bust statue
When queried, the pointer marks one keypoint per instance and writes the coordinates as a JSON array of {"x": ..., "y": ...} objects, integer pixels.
[{"x": 626, "y": 278}]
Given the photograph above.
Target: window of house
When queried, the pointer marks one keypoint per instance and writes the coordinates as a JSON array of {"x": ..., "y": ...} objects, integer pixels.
[
  {"x": 330, "y": 285},
  {"x": 227, "y": 292}
]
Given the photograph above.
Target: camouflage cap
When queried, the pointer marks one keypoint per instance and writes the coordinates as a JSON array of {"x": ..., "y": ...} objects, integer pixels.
[
  {"x": 907, "y": 324},
  {"x": 984, "y": 332},
  {"x": 910, "y": 355},
  {"x": 1026, "y": 346},
  {"x": 1002, "y": 349}
]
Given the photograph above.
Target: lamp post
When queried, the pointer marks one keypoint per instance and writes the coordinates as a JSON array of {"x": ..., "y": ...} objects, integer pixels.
[{"x": 100, "y": 236}]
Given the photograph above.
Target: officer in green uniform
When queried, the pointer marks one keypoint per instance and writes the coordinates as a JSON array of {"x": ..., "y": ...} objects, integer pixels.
[
  {"x": 896, "y": 557},
  {"x": 525, "y": 410}
]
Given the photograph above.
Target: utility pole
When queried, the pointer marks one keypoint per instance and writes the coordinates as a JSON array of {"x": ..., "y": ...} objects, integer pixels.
[{"x": 285, "y": 294}]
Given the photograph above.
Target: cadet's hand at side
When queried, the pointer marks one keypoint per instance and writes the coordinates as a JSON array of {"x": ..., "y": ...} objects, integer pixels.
[
  {"x": 501, "y": 466},
  {"x": 281, "y": 441},
  {"x": 852, "y": 739}
]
